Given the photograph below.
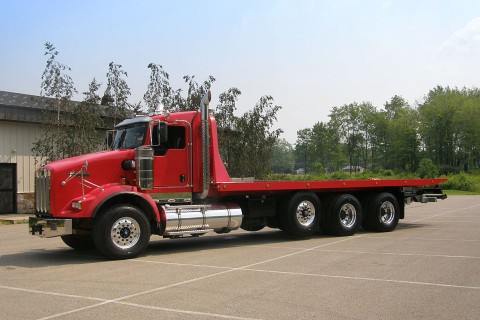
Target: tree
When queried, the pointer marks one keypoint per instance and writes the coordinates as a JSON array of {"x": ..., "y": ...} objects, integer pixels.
[
  {"x": 403, "y": 140},
  {"x": 401, "y": 143},
  {"x": 379, "y": 140},
  {"x": 195, "y": 92},
  {"x": 57, "y": 91},
  {"x": 245, "y": 142},
  {"x": 83, "y": 134},
  {"x": 427, "y": 169},
  {"x": 68, "y": 128},
  {"x": 437, "y": 130},
  {"x": 466, "y": 123},
  {"x": 327, "y": 148},
  {"x": 304, "y": 149},
  {"x": 256, "y": 138},
  {"x": 394, "y": 106},
  {"x": 226, "y": 121},
  {"x": 159, "y": 90},
  {"x": 347, "y": 121},
  {"x": 283, "y": 159},
  {"x": 118, "y": 92}
]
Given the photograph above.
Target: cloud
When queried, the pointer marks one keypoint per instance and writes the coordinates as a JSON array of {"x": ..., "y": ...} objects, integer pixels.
[
  {"x": 387, "y": 4},
  {"x": 457, "y": 61},
  {"x": 464, "y": 41}
]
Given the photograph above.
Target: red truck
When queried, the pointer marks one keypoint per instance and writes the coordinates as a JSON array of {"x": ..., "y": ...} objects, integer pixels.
[{"x": 164, "y": 176}]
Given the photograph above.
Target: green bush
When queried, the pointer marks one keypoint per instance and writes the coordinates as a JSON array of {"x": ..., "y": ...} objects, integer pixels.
[
  {"x": 387, "y": 173},
  {"x": 463, "y": 181},
  {"x": 445, "y": 170},
  {"x": 427, "y": 169}
]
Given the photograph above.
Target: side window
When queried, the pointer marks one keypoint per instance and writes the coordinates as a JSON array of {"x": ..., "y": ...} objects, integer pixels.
[
  {"x": 176, "y": 140},
  {"x": 176, "y": 137}
]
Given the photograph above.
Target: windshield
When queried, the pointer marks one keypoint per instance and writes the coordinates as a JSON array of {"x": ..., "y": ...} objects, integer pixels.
[{"x": 130, "y": 137}]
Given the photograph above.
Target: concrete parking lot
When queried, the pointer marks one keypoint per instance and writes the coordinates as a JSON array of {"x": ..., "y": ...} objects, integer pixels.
[{"x": 428, "y": 268}]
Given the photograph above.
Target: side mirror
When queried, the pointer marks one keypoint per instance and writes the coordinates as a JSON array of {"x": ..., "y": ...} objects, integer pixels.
[
  {"x": 162, "y": 132},
  {"x": 159, "y": 133},
  {"x": 109, "y": 139}
]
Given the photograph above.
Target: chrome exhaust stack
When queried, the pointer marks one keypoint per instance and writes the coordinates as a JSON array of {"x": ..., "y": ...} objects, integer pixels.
[{"x": 205, "y": 144}]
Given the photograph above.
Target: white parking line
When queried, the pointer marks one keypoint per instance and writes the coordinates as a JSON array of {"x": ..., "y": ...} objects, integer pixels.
[
  {"x": 457, "y": 221},
  {"x": 119, "y": 300},
  {"x": 425, "y": 227},
  {"x": 249, "y": 268},
  {"x": 366, "y": 279},
  {"x": 444, "y": 213},
  {"x": 107, "y": 301},
  {"x": 360, "y": 252},
  {"x": 76, "y": 310},
  {"x": 51, "y": 293},
  {"x": 423, "y": 239},
  {"x": 245, "y": 268},
  {"x": 404, "y": 254},
  {"x": 193, "y": 280},
  {"x": 466, "y": 217},
  {"x": 197, "y": 313},
  {"x": 252, "y": 268},
  {"x": 179, "y": 264}
]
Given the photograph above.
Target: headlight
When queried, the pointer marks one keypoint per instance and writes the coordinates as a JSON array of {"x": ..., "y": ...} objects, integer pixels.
[{"x": 77, "y": 205}]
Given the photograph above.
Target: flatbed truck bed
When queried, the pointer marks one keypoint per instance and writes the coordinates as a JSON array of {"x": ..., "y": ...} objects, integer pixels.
[{"x": 261, "y": 187}]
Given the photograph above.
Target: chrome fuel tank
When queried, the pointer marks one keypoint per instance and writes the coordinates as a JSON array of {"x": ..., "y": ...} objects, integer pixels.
[{"x": 220, "y": 218}]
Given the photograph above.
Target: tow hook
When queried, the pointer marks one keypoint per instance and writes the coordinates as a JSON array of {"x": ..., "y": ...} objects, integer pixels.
[{"x": 37, "y": 228}]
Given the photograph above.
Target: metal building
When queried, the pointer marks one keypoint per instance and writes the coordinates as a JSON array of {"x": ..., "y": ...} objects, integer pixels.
[
  {"x": 20, "y": 125},
  {"x": 20, "y": 118}
]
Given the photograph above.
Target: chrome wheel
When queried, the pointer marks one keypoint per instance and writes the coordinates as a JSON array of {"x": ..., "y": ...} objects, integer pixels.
[
  {"x": 305, "y": 213},
  {"x": 300, "y": 213},
  {"x": 383, "y": 212},
  {"x": 344, "y": 215},
  {"x": 387, "y": 212},
  {"x": 348, "y": 215},
  {"x": 125, "y": 232}
]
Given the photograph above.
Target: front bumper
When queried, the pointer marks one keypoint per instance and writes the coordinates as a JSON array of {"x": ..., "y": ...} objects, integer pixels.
[{"x": 49, "y": 228}]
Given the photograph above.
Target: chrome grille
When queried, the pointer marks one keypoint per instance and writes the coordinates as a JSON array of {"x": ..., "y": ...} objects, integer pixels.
[{"x": 42, "y": 192}]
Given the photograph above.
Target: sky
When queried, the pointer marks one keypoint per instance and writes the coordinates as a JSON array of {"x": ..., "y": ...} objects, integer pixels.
[{"x": 310, "y": 56}]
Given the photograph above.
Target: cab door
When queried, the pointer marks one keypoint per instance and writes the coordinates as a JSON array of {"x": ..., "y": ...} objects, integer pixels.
[{"x": 172, "y": 165}]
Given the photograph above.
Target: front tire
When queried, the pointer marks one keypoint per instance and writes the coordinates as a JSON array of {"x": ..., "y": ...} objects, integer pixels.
[
  {"x": 121, "y": 232},
  {"x": 78, "y": 241},
  {"x": 300, "y": 214}
]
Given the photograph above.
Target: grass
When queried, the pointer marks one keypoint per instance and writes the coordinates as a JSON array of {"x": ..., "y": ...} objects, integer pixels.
[
  {"x": 460, "y": 193},
  {"x": 7, "y": 222}
]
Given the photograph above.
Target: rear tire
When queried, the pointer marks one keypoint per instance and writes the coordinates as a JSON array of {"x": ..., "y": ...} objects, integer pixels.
[
  {"x": 251, "y": 226},
  {"x": 343, "y": 216},
  {"x": 383, "y": 212},
  {"x": 300, "y": 214},
  {"x": 122, "y": 232},
  {"x": 78, "y": 241}
]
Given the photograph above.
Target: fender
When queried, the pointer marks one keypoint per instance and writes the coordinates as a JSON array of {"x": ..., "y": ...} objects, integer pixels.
[
  {"x": 92, "y": 203},
  {"x": 125, "y": 192}
]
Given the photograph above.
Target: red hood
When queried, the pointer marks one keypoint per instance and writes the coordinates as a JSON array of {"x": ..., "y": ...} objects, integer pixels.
[
  {"x": 102, "y": 168},
  {"x": 75, "y": 163}
]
